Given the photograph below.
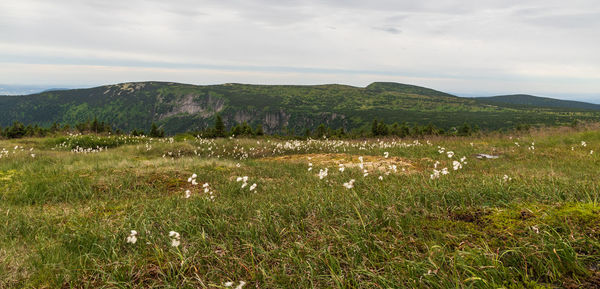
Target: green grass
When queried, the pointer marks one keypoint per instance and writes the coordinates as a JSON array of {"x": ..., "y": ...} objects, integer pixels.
[{"x": 65, "y": 216}]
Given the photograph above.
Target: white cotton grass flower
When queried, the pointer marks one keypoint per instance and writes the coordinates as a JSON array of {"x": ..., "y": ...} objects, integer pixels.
[
  {"x": 506, "y": 178},
  {"x": 188, "y": 194},
  {"x": 583, "y": 144},
  {"x": 445, "y": 171},
  {"x": 360, "y": 158},
  {"x": 192, "y": 179},
  {"x": 456, "y": 165},
  {"x": 33, "y": 155},
  {"x": 132, "y": 237},
  {"x": 436, "y": 164},
  {"x": 341, "y": 167},
  {"x": 386, "y": 154},
  {"x": 252, "y": 187},
  {"x": 591, "y": 152},
  {"x": 435, "y": 174},
  {"x": 349, "y": 184},
  {"x": 441, "y": 150},
  {"x": 365, "y": 173},
  {"x": 450, "y": 154},
  {"x": 244, "y": 181},
  {"x": 310, "y": 167},
  {"x": 323, "y": 173},
  {"x": 239, "y": 286},
  {"x": 175, "y": 239},
  {"x": 380, "y": 178}
]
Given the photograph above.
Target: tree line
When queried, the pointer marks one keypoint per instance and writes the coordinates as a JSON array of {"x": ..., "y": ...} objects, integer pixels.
[{"x": 378, "y": 129}]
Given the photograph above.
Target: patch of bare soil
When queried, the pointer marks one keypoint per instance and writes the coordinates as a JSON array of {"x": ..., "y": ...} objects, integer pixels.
[{"x": 370, "y": 163}]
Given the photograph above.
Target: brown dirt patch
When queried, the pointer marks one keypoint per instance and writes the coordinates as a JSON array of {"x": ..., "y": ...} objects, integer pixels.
[{"x": 349, "y": 161}]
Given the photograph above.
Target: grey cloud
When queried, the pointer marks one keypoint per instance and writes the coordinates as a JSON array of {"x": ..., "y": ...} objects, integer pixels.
[
  {"x": 388, "y": 29},
  {"x": 567, "y": 21},
  {"x": 497, "y": 40}
]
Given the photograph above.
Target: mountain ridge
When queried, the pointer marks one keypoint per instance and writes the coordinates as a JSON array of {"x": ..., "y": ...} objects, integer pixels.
[
  {"x": 179, "y": 107},
  {"x": 540, "y": 101}
]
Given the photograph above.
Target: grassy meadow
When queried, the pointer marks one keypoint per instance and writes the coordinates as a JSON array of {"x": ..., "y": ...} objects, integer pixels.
[{"x": 389, "y": 213}]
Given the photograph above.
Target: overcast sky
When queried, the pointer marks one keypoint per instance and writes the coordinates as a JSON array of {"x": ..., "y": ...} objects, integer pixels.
[{"x": 469, "y": 47}]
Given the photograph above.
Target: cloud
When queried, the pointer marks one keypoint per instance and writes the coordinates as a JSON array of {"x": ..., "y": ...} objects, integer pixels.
[
  {"x": 389, "y": 29},
  {"x": 468, "y": 45}
]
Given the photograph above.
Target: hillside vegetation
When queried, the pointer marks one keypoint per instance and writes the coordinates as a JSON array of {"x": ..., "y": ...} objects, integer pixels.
[
  {"x": 182, "y": 107},
  {"x": 136, "y": 212},
  {"x": 536, "y": 101}
]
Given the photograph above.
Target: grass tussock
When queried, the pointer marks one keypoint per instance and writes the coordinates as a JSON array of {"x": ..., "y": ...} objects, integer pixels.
[{"x": 283, "y": 214}]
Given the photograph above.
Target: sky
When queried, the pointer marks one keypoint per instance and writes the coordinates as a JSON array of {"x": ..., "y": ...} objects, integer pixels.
[{"x": 466, "y": 47}]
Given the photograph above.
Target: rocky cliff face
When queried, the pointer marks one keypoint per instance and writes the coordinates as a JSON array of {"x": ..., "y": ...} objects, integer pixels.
[{"x": 190, "y": 104}]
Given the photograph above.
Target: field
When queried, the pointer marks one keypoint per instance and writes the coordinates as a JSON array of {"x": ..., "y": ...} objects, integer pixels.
[{"x": 389, "y": 213}]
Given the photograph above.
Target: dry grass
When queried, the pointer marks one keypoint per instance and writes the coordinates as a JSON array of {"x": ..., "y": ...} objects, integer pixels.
[{"x": 371, "y": 163}]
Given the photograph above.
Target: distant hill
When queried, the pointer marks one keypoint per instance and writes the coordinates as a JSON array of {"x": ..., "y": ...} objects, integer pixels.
[
  {"x": 537, "y": 101},
  {"x": 180, "y": 107}
]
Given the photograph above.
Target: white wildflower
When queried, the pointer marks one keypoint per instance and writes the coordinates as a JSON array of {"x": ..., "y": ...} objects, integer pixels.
[
  {"x": 445, "y": 171},
  {"x": 188, "y": 194},
  {"x": 583, "y": 144},
  {"x": 323, "y": 173},
  {"x": 435, "y": 175},
  {"x": 456, "y": 165},
  {"x": 341, "y": 167},
  {"x": 380, "y": 178},
  {"x": 349, "y": 185},
  {"x": 132, "y": 237},
  {"x": 386, "y": 155},
  {"x": 252, "y": 187},
  {"x": 450, "y": 154},
  {"x": 175, "y": 238}
]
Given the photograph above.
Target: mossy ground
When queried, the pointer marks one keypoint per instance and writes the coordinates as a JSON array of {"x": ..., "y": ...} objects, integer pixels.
[{"x": 65, "y": 216}]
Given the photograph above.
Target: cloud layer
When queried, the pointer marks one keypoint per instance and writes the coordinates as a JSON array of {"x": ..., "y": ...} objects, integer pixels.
[{"x": 545, "y": 47}]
